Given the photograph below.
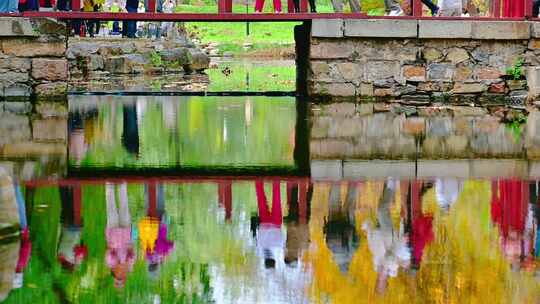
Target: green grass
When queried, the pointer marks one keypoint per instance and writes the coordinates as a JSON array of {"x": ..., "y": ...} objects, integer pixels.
[
  {"x": 262, "y": 35},
  {"x": 249, "y": 77}
]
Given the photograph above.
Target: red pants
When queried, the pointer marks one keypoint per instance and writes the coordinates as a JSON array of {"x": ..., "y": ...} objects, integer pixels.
[
  {"x": 266, "y": 217},
  {"x": 259, "y": 4}
]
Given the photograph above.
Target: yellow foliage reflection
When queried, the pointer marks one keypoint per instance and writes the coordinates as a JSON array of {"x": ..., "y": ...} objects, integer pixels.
[{"x": 462, "y": 263}]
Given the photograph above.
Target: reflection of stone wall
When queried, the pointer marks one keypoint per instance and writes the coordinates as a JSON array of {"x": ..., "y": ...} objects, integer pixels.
[
  {"x": 33, "y": 139},
  {"x": 32, "y": 58},
  {"x": 420, "y": 59},
  {"x": 370, "y": 131}
]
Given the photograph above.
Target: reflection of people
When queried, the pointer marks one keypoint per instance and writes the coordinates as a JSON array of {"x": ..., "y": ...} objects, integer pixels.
[
  {"x": 420, "y": 224},
  {"x": 534, "y": 194},
  {"x": 447, "y": 191},
  {"x": 120, "y": 255},
  {"x": 77, "y": 141},
  {"x": 25, "y": 249},
  {"x": 298, "y": 198},
  {"x": 340, "y": 229},
  {"x": 153, "y": 228},
  {"x": 387, "y": 245},
  {"x": 270, "y": 239},
  {"x": 71, "y": 251},
  {"x": 130, "y": 131},
  {"x": 509, "y": 210},
  {"x": 225, "y": 198}
]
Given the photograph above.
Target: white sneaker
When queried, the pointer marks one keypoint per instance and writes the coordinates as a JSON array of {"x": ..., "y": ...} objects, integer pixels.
[{"x": 396, "y": 12}]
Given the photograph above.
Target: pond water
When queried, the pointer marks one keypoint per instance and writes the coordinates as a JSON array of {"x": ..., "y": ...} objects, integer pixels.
[{"x": 213, "y": 200}]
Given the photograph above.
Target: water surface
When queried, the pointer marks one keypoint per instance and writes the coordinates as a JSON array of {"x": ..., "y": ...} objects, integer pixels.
[{"x": 209, "y": 200}]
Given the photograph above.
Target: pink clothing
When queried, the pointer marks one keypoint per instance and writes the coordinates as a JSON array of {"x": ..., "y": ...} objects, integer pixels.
[
  {"x": 259, "y": 4},
  {"x": 163, "y": 247},
  {"x": 118, "y": 237},
  {"x": 24, "y": 252},
  {"x": 115, "y": 257},
  {"x": 119, "y": 247}
]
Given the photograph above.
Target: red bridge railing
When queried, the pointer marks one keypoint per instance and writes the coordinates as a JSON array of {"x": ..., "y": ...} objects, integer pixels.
[{"x": 225, "y": 14}]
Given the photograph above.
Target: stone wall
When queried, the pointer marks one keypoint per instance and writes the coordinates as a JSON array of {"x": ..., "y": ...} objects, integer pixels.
[
  {"x": 33, "y": 139},
  {"x": 114, "y": 63},
  {"x": 393, "y": 131},
  {"x": 423, "y": 60},
  {"x": 32, "y": 58}
]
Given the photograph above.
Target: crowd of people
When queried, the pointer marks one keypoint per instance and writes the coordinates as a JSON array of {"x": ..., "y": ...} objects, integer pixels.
[{"x": 446, "y": 8}]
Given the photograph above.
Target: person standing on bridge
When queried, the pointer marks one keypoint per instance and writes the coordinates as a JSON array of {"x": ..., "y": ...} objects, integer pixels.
[
  {"x": 259, "y": 5},
  {"x": 9, "y": 6},
  {"x": 129, "y": 28},
  {"x": 49, "y": 4},
  {"x": 28, "y": 5},
  {"x": 392, "y": 7},
  {"x": 63, "y": 5}
]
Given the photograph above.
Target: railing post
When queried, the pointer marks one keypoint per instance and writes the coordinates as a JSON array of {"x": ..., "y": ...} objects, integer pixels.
[
  {"x": 225, "y": 6},
  {"x": 76, "y": 5},
  {"x": 417, "y": 8}
]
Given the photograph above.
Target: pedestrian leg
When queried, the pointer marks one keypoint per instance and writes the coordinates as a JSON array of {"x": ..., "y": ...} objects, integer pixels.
[
  {"x": 110, "y": 200},
  {"x": 123, "y": 212},
  {"x": 355, "y": 6},
  {"x": 338, "y": 6}
]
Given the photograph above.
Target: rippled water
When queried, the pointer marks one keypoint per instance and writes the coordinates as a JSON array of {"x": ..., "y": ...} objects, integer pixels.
[{"x": 211, "y": 200}]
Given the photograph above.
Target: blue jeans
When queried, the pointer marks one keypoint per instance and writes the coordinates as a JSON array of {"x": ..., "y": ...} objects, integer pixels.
[{"x": 129, "y": 28}]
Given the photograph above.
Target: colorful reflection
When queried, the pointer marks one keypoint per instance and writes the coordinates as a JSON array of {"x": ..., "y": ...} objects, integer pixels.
[
  {"x": 181, "y": 132},
  {"x": 270, "y": 240}
]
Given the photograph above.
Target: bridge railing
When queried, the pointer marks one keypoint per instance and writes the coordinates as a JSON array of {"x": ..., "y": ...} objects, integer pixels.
[{"x": 225, "y": 13}]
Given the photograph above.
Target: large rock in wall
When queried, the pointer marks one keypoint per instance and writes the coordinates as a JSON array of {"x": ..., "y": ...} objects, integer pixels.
[
  {"x": 32, "y": 58},
  {"x": 421, "y": 59}
]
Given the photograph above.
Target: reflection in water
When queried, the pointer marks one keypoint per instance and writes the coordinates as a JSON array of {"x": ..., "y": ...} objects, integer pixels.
[
  {"x": 380, "y": 235},
  {"x": 182, "y": 132},
  {"x": 273, "y": 240}
]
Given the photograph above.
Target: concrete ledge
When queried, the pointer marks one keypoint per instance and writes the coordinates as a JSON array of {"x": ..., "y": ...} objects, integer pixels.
[
  {"x": 326, "y": 170},
  {"x": 335, "y": 170},
  {"x": 484, "y": 168},
  {"x": 331, "y": 28},
  {"x": 445, "y": 30},
  {"x": 534, "y": 169},
  {"x": 501, "y": 30},
  {"x": 535, "y": 29},
  {"x": 382, "y": 28},
  {"x": 378, "y": 169},
  {"x": 448, "y": 168},
  {"x": 16, "y": 27}
]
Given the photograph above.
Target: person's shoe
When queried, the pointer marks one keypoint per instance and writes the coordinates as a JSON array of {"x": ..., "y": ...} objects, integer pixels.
[
  {"x": 396, "y": 12},
  {"x": 435, "y": 12},
  {"x": 314, "y": 10}
]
